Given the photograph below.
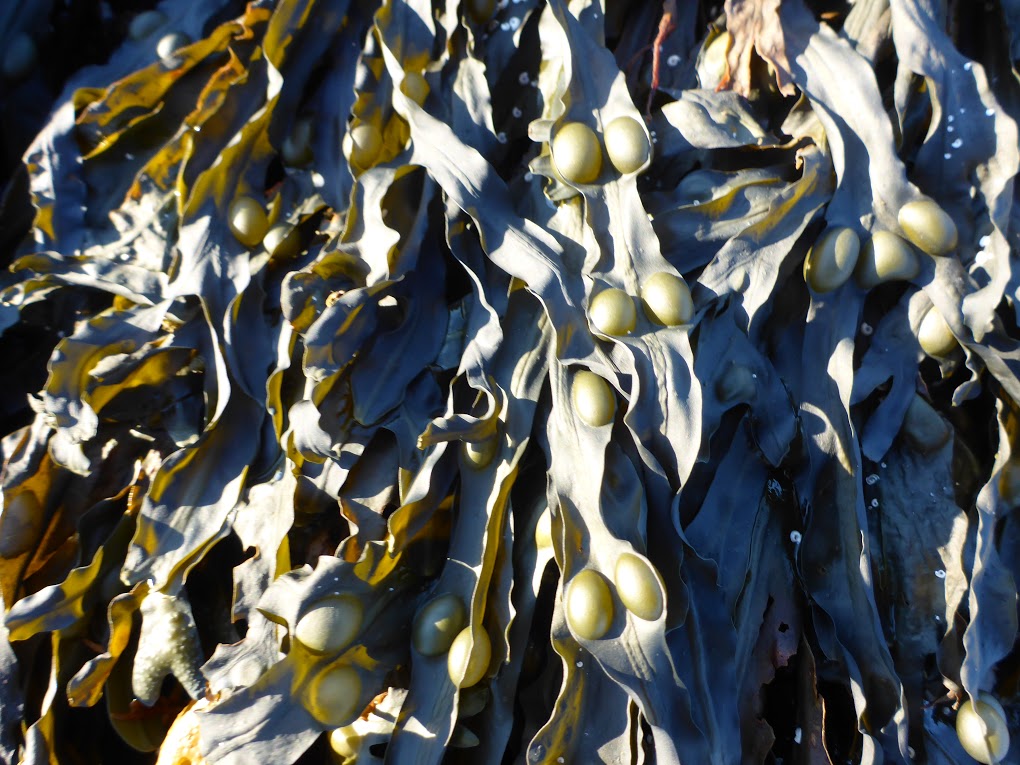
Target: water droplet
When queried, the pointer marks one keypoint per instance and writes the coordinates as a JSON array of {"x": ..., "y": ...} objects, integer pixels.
[
  {"x": 580, "y": 664},
  {"x": 516, "y": 112},
  {"x": 950, "y": 118},
  {"x": 528, "y": 176},
  {"x": 866, "y": 329},
  {"x": 950, "y": 129},
  {"x": 515, "y": 23},
  {"x": 967, "y": 67},
  {"x": 872, "y": 479},
  {"x": 940, "y": 573},
  {"x": 957, "y": 143},
  {"x": 505, "y": 27},
  {"x": 983, "y": 241},
  {"x": 795, "y": 537},
  {"x": 501, "y": 137},
  {"x": 673, "y": 60},
  {"x": 947, "y": 155},
  {"x": 989, "y": 111},
  {"x": 874, "y": 503},
  {"x": 882, "y": 464},
  {"x": 796, "y": 736},
  {"x": 523, "y": 78}
]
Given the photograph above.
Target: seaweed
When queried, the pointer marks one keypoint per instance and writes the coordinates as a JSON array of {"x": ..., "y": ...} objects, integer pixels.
[{"x": 622, "y": 382}]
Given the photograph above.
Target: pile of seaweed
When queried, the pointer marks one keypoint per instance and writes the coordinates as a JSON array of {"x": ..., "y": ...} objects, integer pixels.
[{"x": 535, "y": 381}]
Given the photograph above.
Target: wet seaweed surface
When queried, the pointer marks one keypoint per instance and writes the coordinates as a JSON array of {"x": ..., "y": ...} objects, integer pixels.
[{"x": 528, "y": 381}]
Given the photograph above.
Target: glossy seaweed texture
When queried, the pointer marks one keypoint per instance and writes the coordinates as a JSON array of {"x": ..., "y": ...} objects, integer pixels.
[{"x": 532, "y": 381}]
